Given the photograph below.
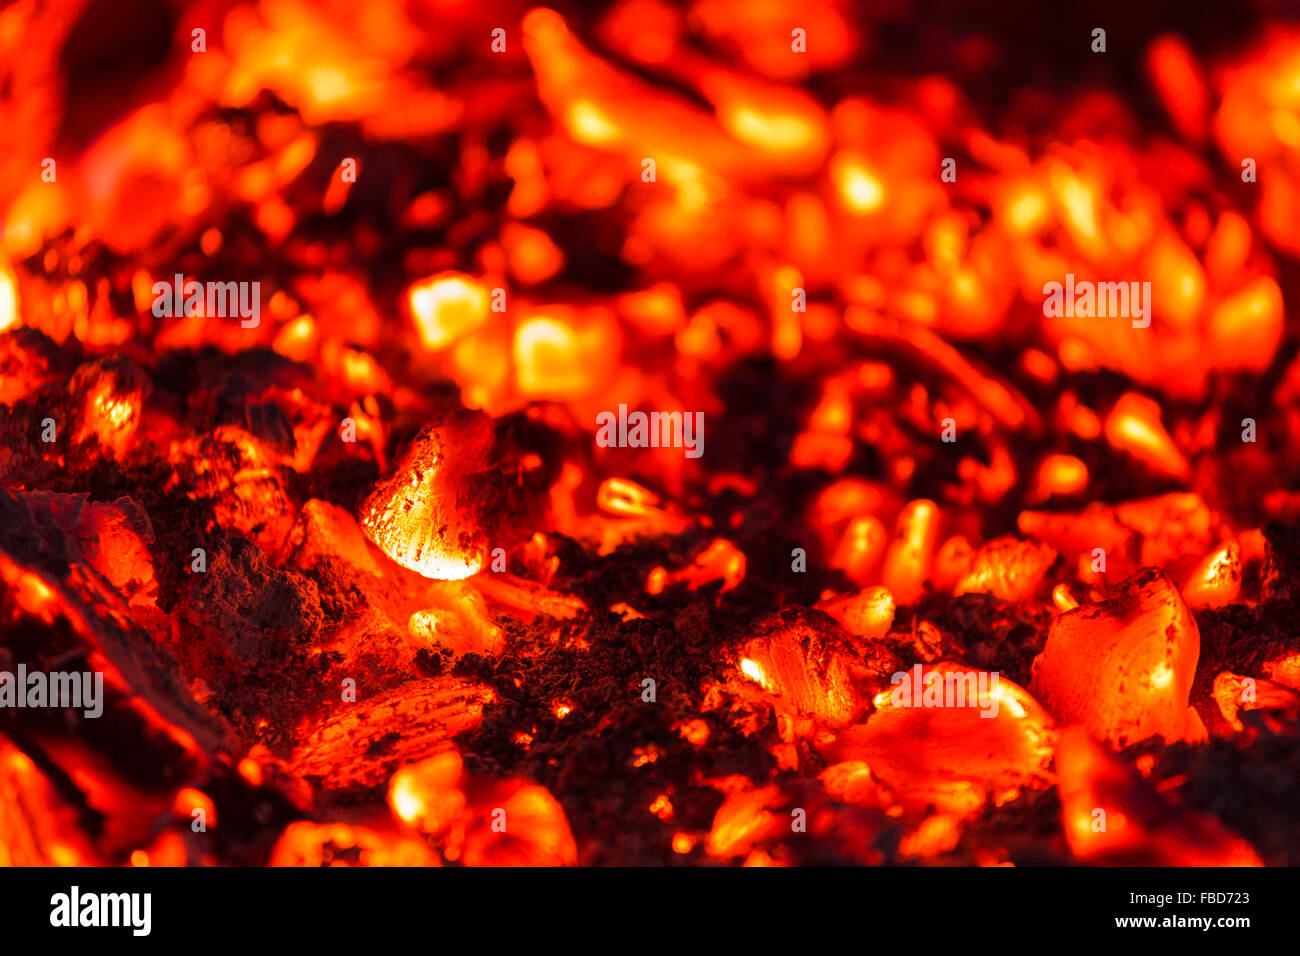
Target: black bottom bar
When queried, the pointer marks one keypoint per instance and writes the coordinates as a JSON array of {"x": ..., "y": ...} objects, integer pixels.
[{"x": 497, "y": 907}]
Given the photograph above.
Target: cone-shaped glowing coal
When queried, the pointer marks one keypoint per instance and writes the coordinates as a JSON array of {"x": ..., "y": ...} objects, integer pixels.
[
  {"x": 1122, "y": 668},
  {"x": 426, "y": 514}
]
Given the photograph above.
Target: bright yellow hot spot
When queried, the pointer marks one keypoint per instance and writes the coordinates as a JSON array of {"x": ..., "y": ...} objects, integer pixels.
[
  {"x": 1162, "y": 676},
  {"x": 546, "y": 351},
  {"x": 1080, "y": 205},
  {"x": 753, "y": 671},
  {"x": 446, "y": 306},
  {"x": 405, "y": 798},
  {"x": 1027, "y": 210},
  {"x": 769, "y": 130},
  {"x": 589, "y": 125},
  {"x": 8, "y": 299},
  {"x": 328, "y": 85},
  {"x": 862, "y": 191}
]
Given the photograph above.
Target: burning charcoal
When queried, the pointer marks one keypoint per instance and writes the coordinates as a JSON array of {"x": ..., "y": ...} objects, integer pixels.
[
  {"x": 525, "y": 599},
  {"x": 1008, "y": 569},
  {"x": 326, "y": 539},
  {"x": 1150, "y": 531},
  {"x": 148, "y": 733},
  {"x": 1212, "y": 581},
  {"x": 1111, "y": 816},
  {"x": 840, "y": 503},
  {"x": 29, "y": 360},
  {"x": 935, "y": 835},
  {"x": 37, "y": 825},
  {"x": 804, "y": 661},
  {"x": 1284, "y": 669},
  {"x": 869, "y": 613},
  {"x": 517, "y": 823},
  {"x": 389, "y": 613},
  {"x": 248, "y": 491},
  {"x": 445, "y": 307},
  {"x": 850, "y": 781},
  {"x": 1078, "y": 535},
  {"x": 461, "y": 622},
  {"x": 781, "y": 821},
  {"x": 952, "y": 563},
  {"x": 745, "y": 820},
  {"x": 907, "y": 563},
  {"x": 570, "y": 77},
  {"x": 1134, "y": 426},
  {"x": 363, "y": 743},
  {"x": 340, "y": 844},
  {"x": 1063, "y": 475},
  {"x": 1122, "y": 668},
  {"x": 861, "y": 549},
  {"x": 114, "y": 538},
  {"x": 1234, "y": 694},
  {"x": 482, "y": 823},
  {"x": 427, "y": 794},
  {"x": 637, "y": 511},
  {"x": 427, "y": 515},
  {"x": 1170, "y": 527},
  {"x": 950, "y": 737},
  {"x": 812, "y": 679},
  {"x": 721, "y": 561},
  {"x": 109, "y": 394}
]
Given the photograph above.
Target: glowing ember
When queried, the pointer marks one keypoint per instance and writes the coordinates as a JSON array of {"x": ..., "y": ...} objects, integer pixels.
[
  {"x": 1123, "y": 668},
  {"x": 446, "y": 307},
  {"x": 424, "y": 515},
  {"x": 953, "y": 737},
  {"x": 1111, "y": 816},
  {"x": 811, "y": 669}
]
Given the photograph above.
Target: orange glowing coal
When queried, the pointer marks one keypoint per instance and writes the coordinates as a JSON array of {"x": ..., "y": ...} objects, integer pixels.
[
  {"x": 1123, "y": 668},
  {"x": 954, "y": 739},
  {"x": 1111, "y": 816},
  {"x": 424, "y": 516}
]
